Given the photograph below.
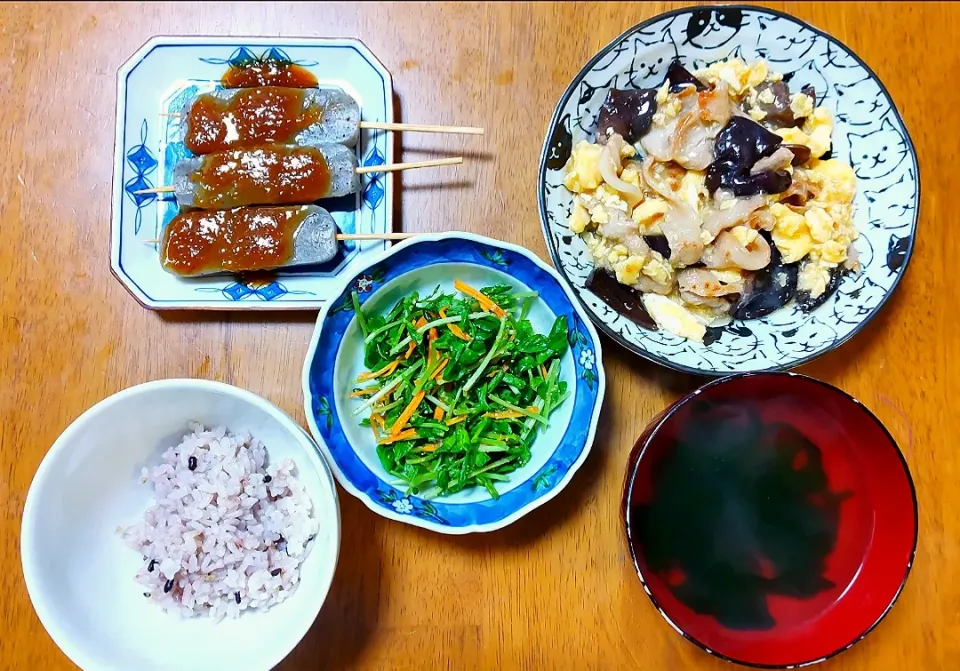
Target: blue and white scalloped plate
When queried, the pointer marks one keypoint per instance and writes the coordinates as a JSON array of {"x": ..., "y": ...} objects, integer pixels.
[
  {"x": 868, "y": 134},
  {"x": 335, "y": 359},
  {"x": 156, "y": 81}
]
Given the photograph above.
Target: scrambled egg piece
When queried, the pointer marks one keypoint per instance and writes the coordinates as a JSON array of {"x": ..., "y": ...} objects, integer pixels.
[
  {"x": 595, "y": 208},
  {"x": 739, "y": 76},
  {"x": 668, "y": 105},
  {"x": 744, "y": 235},
  {"x": 579, "y": 217},
  {"x": 649, "y": 212},
  {"x": 801, "y": 105},
  {"x": 607, "y": 199},
  {"x": 815, "y": 132},
  {"x": 693, "y": 188},
  {"x": 630, "y": 175},
  {"x": 658, "y": 269},
  {"x": 674, "y": 318},
  {"x": 766, "y": 96},
  {"x": 817, "y": 236},
  {"x": 790, "y": 233},
  {"x": 836, "y": 179},
  {"x": 819, "y": 224},
  {"x": 629, "y": 267},
  {"x": 582, "y": 171},
  {"x": 813, "y": 279}
]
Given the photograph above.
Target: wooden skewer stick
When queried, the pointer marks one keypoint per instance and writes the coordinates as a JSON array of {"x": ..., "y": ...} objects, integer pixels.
[
  {"x": 392, "y": 167},
  {"x": 409, "y": 127},
  {"x": 422, "y": 128},
  {"x": 343, "y": 236}
]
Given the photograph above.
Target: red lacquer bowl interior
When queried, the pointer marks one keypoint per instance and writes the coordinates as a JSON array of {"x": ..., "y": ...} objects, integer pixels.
[{"x": 771, "y": 517}]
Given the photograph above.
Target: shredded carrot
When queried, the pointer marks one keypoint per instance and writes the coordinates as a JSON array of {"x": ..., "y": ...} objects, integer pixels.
[
  {"x": 485, "y": 302},
  {"x": 442, "y": 365},
  {"x": 534, "y": 409},
  {"x": 376, "y": 419},
  {"x": 420, "y": 322},
  {"x": 503, "y": 414},
  {"x": 454, "y": 329},
  {"x": 438, "y": 413},
  {"x": 407, "y": 413},
  {"x": 457, "y": 331},
  {"x": 412, "y": 346},
  {"x": 430, "y": 350},
  {"x": 373, "y": 427},
  {"x": 409, "y": 434},
  {"x": 386, "y": 370},
  {"x": 428, "y": 448},
  {"x": 369, "y": 391},
  {"x": 456, "y": 420},
  {"x": 543, "y": 371}
]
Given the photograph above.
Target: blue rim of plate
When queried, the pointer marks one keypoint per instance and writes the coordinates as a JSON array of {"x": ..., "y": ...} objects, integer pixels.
[
  {"x": 453, "y": 518},
  {"x": 552, "y": 248}
]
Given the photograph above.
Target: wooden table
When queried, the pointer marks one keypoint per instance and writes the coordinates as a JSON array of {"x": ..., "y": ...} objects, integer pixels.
[{"x": 555, "y": 590}]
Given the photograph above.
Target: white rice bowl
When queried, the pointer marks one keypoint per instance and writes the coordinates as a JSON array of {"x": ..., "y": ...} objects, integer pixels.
[
  {"x": 82, "y": 576},
  {"x": 227, "y": 533}
]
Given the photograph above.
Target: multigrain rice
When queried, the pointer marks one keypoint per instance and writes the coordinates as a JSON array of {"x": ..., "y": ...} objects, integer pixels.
[{"x": 228, "y": 532}]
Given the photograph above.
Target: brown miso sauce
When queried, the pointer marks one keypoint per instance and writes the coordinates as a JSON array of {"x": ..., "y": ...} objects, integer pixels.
[
  {"x": 269, "y": 73},
  {"x": 238, "y": 240},
  {"x": 251, "y": 117},
  {"x": 266, "y": 175}
]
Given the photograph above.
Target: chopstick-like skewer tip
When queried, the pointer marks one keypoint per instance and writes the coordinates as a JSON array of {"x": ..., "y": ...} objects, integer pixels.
[{"x": 390, "y": 167}]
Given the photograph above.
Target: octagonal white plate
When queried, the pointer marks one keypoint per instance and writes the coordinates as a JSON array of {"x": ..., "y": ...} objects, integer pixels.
[{"x": 157, "y": 80}]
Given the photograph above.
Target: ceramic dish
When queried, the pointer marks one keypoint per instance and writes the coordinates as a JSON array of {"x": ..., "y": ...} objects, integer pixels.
[
  {"x": 80, "y": 573},
  {"x": 869, "y": 135},
  {"x": 157, "y": 80},
  {"x": 801, "y": 503},
  {"x": 336, "y": 357}
]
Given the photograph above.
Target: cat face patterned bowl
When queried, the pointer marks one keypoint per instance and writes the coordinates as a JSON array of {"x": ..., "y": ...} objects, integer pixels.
[
  {"x": 335, "y": 359},
  {"x": 771, "y": 518},
  {"x": 154, "y": 84},
  {"x": 869, "y": 135}
]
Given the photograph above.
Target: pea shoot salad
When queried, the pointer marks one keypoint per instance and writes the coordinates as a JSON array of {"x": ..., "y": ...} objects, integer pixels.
[{"x": 457, "y": 386}]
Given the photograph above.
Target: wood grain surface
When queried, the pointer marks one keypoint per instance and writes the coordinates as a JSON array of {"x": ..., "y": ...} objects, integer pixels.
[{"x": 555, "y": 590}]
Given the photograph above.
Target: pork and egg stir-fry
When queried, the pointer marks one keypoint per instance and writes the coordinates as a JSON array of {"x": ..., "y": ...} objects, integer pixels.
[{"x": 713, "y": 196}]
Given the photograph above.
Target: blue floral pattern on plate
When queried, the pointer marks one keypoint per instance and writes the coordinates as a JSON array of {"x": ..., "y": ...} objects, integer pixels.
[
  {"x": 322, "y": 398},
  {"x": 155, "y": 83},
  {"x": 888, "y": 181}
]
